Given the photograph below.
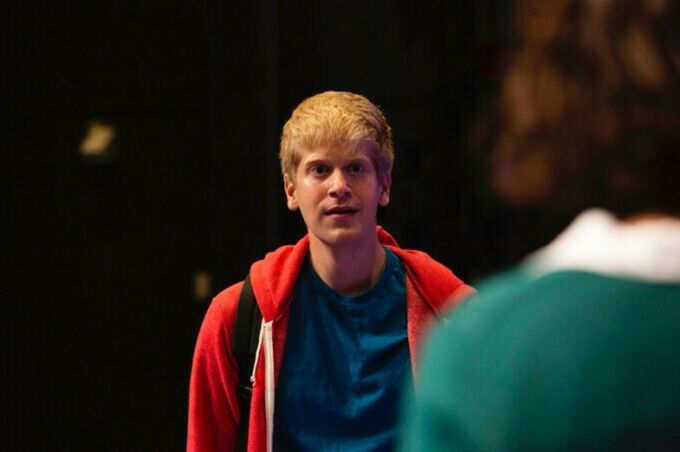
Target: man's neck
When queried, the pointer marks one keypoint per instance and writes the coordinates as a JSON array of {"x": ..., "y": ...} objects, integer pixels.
[{"x": 348, "y": 269}]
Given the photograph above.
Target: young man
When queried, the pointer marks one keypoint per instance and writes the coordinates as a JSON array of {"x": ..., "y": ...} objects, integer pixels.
[{"x": 344, "y": 309}]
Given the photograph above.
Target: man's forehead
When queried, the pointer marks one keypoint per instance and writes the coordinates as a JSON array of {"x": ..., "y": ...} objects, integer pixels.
[{"x": 342, "y": 150}]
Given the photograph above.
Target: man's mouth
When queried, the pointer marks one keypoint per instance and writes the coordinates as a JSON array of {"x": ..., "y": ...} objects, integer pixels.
[{"x": 341, "y": 211}]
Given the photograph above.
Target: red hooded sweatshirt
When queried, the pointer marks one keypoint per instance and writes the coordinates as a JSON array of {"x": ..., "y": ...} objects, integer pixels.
[{"x": 214, "y": 414}]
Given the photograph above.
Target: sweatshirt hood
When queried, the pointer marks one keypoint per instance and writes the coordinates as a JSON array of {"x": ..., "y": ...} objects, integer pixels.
[{"x": 273, "y": 278}]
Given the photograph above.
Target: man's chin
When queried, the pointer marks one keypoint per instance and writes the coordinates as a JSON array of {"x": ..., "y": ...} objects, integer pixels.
[{"x": 340, "y": 235}]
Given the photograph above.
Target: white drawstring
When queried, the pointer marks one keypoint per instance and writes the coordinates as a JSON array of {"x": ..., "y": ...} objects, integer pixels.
[
  {"x": 269, "y": 383},
  {"x": 266, "y": 337},
  {"x": 257, "y": 353}
]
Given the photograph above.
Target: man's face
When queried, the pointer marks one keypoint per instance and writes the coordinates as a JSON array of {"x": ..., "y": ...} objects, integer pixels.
[{"x": 338, "y": 193}]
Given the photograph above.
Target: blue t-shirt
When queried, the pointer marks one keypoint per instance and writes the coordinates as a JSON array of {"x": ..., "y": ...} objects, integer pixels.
[{"x": 344, "y": 364}]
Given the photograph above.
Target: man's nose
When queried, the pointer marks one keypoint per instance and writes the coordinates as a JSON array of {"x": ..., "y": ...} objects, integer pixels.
[{"x": 339, "y": 184}]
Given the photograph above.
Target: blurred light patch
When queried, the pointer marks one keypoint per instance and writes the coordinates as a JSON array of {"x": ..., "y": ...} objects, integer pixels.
[
  {"x": 98, "y": 140},
  {"x": 202, "y": 285}
]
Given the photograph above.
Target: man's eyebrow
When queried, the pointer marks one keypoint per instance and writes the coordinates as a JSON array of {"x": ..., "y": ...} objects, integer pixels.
[
  {"x": 325, "y": 160},
  {"x": 315, "y": 162}
]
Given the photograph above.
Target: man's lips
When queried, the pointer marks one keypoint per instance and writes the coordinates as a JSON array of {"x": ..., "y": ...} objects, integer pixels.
[{"x": 341, "y": 211}]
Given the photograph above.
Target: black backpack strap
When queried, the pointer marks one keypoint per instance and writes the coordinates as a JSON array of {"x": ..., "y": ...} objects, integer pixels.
[{"x": 246, "y": 337}]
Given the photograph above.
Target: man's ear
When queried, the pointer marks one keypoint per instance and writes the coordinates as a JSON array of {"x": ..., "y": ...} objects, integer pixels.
[
  {"x": 289, "y": 188},
  {"x": 385, "y": 186}
]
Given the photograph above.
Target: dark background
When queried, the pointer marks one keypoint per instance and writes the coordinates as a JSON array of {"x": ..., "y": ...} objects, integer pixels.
[{"x": 99, "y": 255}]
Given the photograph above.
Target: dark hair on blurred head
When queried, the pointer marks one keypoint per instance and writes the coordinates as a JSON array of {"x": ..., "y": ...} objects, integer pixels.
[{"x": 589, "y": 112}]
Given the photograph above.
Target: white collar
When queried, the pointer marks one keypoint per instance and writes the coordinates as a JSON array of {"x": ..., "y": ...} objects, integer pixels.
[{"x": 597, "y": 242}]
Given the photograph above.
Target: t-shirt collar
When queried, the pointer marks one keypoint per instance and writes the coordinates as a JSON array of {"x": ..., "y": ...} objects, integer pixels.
[{"x": 598, "y": 242}]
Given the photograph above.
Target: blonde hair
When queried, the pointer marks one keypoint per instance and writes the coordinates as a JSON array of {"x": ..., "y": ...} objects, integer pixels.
[{"x": 336, "y": 118}]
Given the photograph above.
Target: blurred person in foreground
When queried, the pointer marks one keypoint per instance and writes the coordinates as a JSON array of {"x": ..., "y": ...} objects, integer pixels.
[
  {"x": 577, "y": 348},
  {"x": 343, "y": 310}
]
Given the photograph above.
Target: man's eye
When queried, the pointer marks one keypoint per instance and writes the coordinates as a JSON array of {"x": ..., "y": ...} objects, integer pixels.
[
  {"x": 357, "y": 168},
  {"x": 319, "y": 170}
]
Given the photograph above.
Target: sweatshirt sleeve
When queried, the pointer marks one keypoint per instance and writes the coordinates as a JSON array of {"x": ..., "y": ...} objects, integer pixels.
[{"x": 213, "y": 400}]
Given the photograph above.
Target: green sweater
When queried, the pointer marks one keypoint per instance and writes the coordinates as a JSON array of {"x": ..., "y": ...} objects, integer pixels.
[{"x": 570, "y": 360}]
